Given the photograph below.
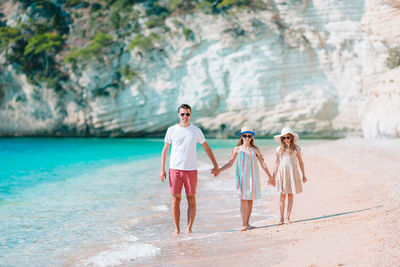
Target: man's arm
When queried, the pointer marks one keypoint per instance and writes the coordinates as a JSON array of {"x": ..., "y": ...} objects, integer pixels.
[
  {"x": 210, "y": 154},
  {"x": 164, "y": 155}
]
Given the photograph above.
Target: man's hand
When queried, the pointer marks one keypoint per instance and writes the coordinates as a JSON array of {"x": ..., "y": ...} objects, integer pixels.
[
  {"x": 215, "y": 171},
  {"x": 164, "y": 155},
  {"x": 163, "y": 175},
  {"x": 210, "y": 154}
]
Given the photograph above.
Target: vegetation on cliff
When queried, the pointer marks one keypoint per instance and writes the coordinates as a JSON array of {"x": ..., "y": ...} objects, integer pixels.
[
  {"x": 393, "y": 60},
  {"x": 49, "y": 39}
]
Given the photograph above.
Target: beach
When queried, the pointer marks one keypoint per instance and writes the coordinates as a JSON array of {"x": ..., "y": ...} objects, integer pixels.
[
  {"x": 348, "y": 214},
  {"x": 100, "y": 202}
]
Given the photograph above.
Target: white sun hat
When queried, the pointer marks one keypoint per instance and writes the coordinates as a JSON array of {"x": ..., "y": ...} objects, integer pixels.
[{"x": 284, "y": 131}]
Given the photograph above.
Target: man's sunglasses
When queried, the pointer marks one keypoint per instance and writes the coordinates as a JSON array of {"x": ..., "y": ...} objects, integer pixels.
[
  {"x": 187, "y": 114},
  {"x": 247, "y": 136},
  {"x": 286, "y": 137}
]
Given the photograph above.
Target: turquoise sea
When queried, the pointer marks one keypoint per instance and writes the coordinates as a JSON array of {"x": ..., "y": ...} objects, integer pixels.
[{"x": 99, "y": 202}]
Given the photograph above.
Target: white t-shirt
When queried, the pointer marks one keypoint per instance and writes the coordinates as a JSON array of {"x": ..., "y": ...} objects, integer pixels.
[{"x": 183, "y": 142}]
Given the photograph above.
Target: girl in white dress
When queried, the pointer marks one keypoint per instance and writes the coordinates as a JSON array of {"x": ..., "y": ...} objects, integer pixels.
[{"x": 286, "y": 173}]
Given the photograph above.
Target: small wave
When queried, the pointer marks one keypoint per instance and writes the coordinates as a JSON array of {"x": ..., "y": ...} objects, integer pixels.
[
  {"x": 159, "y": 208},
  {"x": 120, "y": 254}
]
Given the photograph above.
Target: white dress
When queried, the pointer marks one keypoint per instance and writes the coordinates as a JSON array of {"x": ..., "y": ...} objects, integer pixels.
[{"x": 288, "y": 178}]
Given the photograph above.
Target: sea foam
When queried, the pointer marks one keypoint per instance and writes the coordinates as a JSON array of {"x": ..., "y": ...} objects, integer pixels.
[
  {"x": 159, "y": 208},
  {"x": 121, "y": 254}
]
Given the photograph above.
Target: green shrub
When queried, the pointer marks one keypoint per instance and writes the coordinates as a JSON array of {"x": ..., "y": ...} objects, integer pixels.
[
  {"x": 141, "y": 42},
  {"x": 177, "y": 23},
  {"x": 72, "y": 56},
  {"x": 205, "y": 6},
  {"x": 95, "y": 7},
  {"x": 182, "y": 6},
  {"x": 393, "y": 60},
  {"x": 124, "y": 4},
  {"x": 115, "y": 18},
  {"x": 76, "y": 15},
  {"x": 9, "y": 36},
  {"x": 44, "y": 46},
  {"x": 33, "y": 45},
  {"x": 47, "y": 12},
  {"x": 51, "y": 83},
  {"x": 127, "y": 73},
  {"x": 47, "y": 42},
  {"x": 227, "y": 3},
  {"x": 92, "y": 51},
  {"x": 188, "y": 33},
  {"x": 155, "y": 21},
  {"x": 152, "y": 23},
  {"x": 94, "y": 19},
  {"x": 144, "y": 43},
  {"x": 175, "y": 4},
  {"x": 156, "y": 9}
]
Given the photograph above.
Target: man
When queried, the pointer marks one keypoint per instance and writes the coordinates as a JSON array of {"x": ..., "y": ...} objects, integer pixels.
[{"x": 183, "y": 138}]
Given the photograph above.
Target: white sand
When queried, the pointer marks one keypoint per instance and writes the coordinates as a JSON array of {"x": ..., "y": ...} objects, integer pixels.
[{"x": 347, "y": 175}]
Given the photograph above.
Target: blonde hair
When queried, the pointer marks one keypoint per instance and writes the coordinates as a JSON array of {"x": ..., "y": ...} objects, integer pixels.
[{"x": 292, "y": 146}]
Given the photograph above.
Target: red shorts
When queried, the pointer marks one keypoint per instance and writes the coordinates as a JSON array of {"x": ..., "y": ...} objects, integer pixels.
[{"x": 177, "y": 178}]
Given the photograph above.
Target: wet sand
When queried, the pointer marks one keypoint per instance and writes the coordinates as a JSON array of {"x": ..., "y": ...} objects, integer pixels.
[{"x": 348, "y": 214}]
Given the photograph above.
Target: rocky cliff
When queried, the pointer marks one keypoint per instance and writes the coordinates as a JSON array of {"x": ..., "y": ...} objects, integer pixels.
[{"x": 316, "y": 66}]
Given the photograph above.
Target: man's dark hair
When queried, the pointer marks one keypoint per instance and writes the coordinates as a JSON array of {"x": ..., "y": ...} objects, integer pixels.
[{"x": 185, "y": 106}]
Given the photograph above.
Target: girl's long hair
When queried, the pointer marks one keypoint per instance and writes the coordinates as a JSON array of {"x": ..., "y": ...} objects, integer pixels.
[
  {"x": 252, "y": 144},
  {"x": 292, "y": 146}
]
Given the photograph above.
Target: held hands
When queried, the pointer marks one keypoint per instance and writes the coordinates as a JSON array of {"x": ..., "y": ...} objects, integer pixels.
[
  {"x": 163, "y": 175},
  {"x": 271, "y": 180},
  {"x": 215, "y": 171}
]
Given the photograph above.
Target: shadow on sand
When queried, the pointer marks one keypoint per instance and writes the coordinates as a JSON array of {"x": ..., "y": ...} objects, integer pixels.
[{"x": 315, "y": 218}]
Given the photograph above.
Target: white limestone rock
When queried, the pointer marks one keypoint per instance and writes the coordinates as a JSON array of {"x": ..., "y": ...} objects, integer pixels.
[{"x": 316, "y": 66}]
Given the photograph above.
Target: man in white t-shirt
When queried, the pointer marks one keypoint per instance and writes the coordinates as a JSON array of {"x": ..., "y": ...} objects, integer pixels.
[{"x": 183, "y": 138}]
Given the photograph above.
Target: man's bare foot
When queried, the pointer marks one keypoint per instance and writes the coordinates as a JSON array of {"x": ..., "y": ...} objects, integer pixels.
[
  {"x": 189, "y": 231},
  {"x": 244, "y": 228}
]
